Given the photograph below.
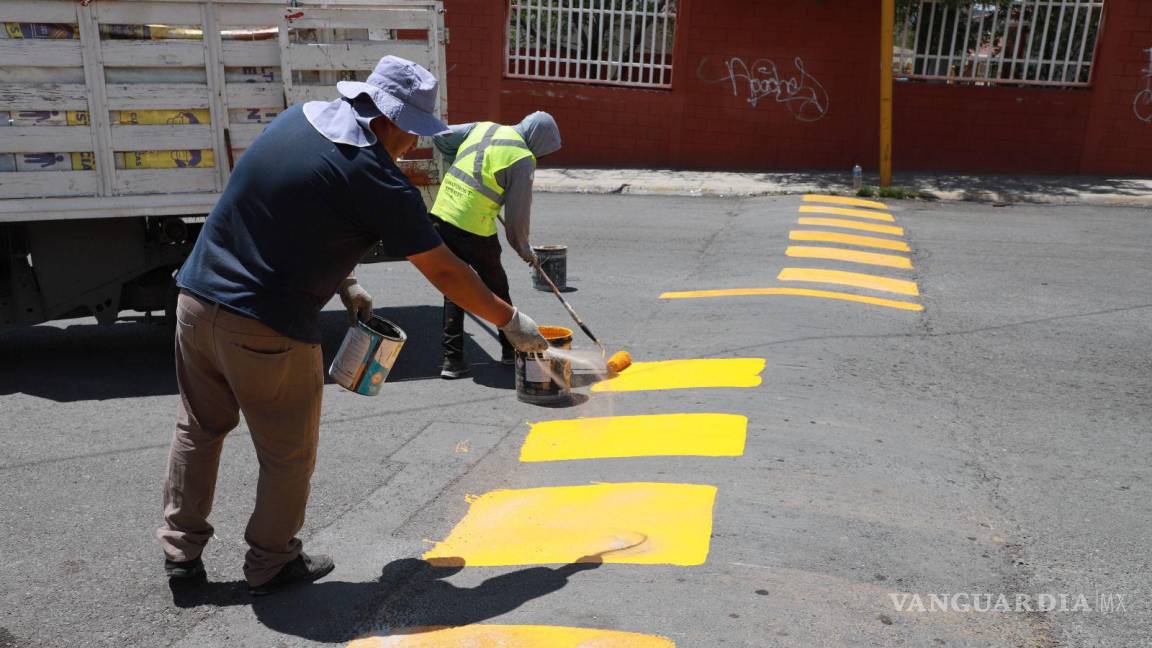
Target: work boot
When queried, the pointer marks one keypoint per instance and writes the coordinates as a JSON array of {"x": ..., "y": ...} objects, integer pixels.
[
  {"x": 508, "y": 357},
  {"x": 303, "y": 569},
  {"x": 454, "y": 368},
  {"x": 184, "y": 570}
]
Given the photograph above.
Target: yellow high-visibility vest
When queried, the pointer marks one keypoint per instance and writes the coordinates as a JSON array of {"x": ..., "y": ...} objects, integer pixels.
[{"x": 469, "y": 196}]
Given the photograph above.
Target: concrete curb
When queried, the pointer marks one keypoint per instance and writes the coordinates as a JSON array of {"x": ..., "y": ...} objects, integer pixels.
[{"x": 1055, "y": 190}]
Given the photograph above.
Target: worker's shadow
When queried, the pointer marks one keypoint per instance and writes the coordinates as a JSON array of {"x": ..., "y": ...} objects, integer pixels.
[
  {"x": 85, "y": 361},
  {"x": 410, "y": 596}
]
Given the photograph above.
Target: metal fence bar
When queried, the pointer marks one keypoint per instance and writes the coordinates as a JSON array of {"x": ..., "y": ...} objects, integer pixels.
[
  {"x": 1019, "y": 37},
  {"x": 916, "y": 41},
  {"x": 608, "y": 44},
  {"x": 1070, "y": 43},
  {"x": 665, "y": 63},
  {"x": 955, "y": 29},
  {"x": 964, "y": 43},
  {"x": 1056, "y": 43},
  {"x": 991, "y": 44},
  {"x": 1084, "y": 42},
  {"x": 1042, "y": 59},
  {"x": 940, "y": 43},
  {"x": 620, "y": 55},
  {"x": 652, "y": 47},
  {"x": 1003, "y": 51},
  {"x": 1003, "y": 42},
  {"x": 928, "y": 40}
]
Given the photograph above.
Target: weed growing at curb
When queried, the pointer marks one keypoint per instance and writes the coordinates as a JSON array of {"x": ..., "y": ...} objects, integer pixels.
[{"x": 897, "y": 193}]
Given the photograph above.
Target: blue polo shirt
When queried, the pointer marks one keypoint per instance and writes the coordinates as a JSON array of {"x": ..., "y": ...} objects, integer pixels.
[{"x": 297, "y": 215}]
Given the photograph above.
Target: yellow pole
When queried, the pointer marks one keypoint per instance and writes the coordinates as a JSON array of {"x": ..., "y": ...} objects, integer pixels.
[{"x": 887, "y": 25}]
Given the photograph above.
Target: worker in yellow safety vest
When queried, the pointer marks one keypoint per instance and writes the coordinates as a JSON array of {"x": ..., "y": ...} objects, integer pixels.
[{"x": 492, "y": 166}]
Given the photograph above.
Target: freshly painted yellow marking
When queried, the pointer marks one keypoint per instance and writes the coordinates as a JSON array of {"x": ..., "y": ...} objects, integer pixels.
[
  {"x": 849, "y": 239},
  {"x": 799, "y": 292},
  {"x": 637, "y": 523},
  {"x": 840, "y": 200},
  {"x": 871, "y": 282},
  {"x": 512, "y": 636},
  {"x": 852, "y": 256},
  {"x": 850, "y": 224},
  {"x": 841, "y": 211},
  {"x": 686, "y": 374},
  {"x": 705, "y": 435}
]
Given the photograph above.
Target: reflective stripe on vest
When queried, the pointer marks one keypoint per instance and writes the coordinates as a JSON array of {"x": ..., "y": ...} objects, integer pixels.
[{"x": 469, "y": 196}]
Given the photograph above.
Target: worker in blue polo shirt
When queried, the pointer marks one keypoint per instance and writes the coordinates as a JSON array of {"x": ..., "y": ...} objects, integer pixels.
[{"x": 311, "y": 195}]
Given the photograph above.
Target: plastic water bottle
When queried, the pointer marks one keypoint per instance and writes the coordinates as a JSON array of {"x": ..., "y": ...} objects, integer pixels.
[{"x": 857, "y": 178}]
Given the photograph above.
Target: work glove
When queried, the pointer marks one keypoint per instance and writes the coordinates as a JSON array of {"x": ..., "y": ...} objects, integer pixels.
[
  {"x": 528, "y": 255},
  {"x": 357, "y": 301},
  {"x": 523, "y": 333}
]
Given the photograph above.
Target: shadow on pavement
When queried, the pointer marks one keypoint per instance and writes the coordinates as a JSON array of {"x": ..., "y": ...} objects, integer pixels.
[
  {"x": 410, "y": 596},
  {"x": 133, "y": 359}
]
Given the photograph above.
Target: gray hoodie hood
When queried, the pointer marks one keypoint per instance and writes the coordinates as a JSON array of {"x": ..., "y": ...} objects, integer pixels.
[{"x": 540, "y": 132}]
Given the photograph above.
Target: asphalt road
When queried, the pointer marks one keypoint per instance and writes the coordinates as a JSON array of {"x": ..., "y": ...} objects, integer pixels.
[{"x": 995, "y": 443}]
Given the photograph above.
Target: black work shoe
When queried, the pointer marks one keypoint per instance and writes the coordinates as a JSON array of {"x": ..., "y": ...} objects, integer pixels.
[
  {"x": 304, "y": 569},
  {"x": 184, "y": 570},
  {"x": 454, "y": 368},
  {"x": 508, "y": 357}
]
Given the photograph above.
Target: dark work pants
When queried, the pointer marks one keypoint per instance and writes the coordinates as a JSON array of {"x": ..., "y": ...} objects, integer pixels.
[{"x": 483, "y": 254}]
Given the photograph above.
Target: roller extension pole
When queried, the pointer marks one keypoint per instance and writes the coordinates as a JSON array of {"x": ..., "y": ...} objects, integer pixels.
[{"x": 568, "y": 307}]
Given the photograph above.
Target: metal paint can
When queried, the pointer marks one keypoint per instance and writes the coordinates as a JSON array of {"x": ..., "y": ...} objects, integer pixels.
[
  {"x": 542, "y": 379},
  {"x": 366, "y": 356},
  {"x": 554, "y": 261}
]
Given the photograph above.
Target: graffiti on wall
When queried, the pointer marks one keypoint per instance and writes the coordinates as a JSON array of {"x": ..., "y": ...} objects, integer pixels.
[
  {"x": 1142, "y": 104},
  {"x": 763, "y": 80}
]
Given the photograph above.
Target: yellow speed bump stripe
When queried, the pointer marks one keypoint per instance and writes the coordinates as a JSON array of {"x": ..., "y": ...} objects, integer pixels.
[
  {"x": 851, "y": 224},
  {"x": 849, "y": 239},
  {"x": 852, "y": 256},
  {"x": 686, "y": 374},
  {"x": 841, "y": 200},
  {"x": 705, "y": 435},
  {"x": 871, "y": 282},
  {"x": 799, "y": 292},
  {"x": 512, "y": 636},
  {"x": 636, "y": 523},
  {"x": 841, "y": 211}
]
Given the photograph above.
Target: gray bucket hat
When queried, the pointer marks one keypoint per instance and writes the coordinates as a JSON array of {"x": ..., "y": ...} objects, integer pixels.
[{"x": 404, "y": 92}]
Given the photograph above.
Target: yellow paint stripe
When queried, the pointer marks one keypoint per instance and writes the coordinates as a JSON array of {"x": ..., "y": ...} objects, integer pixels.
[
  {"x": 849, "y": 239},
  {"x": 852, "y": 256},
  {"x": 799, "y": 292},
  {"x": 511, "y": 636},
  {"x": 849, "y": 224},
  {"x": 871, "y": 282},
  {"x": 705, "y": 435},
  {"x": 635, "y": 523},
  {"x": 686, "y": 374},
  {"x": 841, "y": 200},
  {"x": 841, "y": 211}
]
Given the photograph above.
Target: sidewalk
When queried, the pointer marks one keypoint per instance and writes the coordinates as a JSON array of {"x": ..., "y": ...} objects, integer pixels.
[{"x": 1065, "y": 190}]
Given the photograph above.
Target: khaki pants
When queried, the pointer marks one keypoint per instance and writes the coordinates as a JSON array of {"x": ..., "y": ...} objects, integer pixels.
[{"x": 227, "y": 364}]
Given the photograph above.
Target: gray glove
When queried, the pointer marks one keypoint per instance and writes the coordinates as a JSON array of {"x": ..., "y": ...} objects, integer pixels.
[
  {"x": 523, "y": 333},
  {"x": 357, "y": 301},
  {"x": 528, "y": 255}
]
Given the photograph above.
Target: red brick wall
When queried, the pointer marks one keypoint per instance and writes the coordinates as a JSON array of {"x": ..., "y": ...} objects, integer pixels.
[
  {"x": 1115, "y": 140},
  {"x": 706, "y": 121}
]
